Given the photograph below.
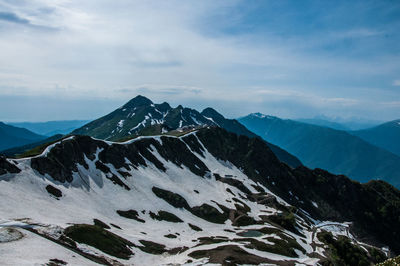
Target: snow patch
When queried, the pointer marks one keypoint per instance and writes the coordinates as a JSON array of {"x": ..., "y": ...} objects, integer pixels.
[{"x": 121, "y": 123}]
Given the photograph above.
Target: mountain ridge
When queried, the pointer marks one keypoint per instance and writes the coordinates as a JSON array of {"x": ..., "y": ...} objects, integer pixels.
[
  {"x": 385, "y": 136},
  {"x": 326, "y": 148},
  {"x": 50, "y": 128},
  {"x": 140, "y": 116},
  {"x": 11, "y": 136},
  {"x": 140, "y": 113},
  {"x": 164, "y": 187}
]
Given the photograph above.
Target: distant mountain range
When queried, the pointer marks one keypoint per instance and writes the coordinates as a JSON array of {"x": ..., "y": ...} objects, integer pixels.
[
  {"x": 334, "y": 150},
  {"x": 51, "y": 128},
  {"x": 340, "y": 123},
  {"x": 140, "y": 116},
  {"x": 386, "y": 136},
  {"x": 11, "y": 136},
  {"x": 323, "y": 123},
  {"x": 23, "y": 149}
]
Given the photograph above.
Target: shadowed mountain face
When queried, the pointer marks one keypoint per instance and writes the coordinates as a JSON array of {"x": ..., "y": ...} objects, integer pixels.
[
  {"x": 321, "y": 147},
  {"x": 11, "y": 136},
  {"x": 386, "y": 136},
  {"x": 207, "y": 196},
  {"x": 140, "y": 116}
]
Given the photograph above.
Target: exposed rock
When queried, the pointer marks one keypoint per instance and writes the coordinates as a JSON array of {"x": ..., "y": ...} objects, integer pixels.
[
  {"x": 130, "y": 214},
  {"x": 54, "y": 191},
  {"x": 7, "y": 167}
]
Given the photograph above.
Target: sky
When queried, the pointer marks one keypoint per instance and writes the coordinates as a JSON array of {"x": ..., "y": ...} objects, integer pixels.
[{"x": 67, "y": 59}]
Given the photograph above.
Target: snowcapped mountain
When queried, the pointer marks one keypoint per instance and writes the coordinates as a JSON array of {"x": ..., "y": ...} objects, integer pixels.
[
  {"x": 208, "y": 196},
  {"x": 140, "y": 116}
]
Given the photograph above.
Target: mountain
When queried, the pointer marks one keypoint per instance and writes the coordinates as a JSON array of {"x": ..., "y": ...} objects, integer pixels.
[
  {"x": 232, "y": 125},
  {"x": 51, "y": 128},
  {"x": 386, "y": 136},
  {"x": 208, "y": 196},
  {"x": 323, "y": 123},
  {"x": 11, "y": 136},
  {"x": 21, "y": 150},
  {"x": 339, "y": 123},
  {"x": 140, "y": 116},
  {"x": 321, "y": 147}
]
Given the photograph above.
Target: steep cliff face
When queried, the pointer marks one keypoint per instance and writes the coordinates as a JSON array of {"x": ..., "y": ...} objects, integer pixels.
[{"x": 207, "y": 196}]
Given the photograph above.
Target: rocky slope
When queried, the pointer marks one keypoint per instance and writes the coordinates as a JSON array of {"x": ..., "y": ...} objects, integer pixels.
[{"x": 209, "y": 196}]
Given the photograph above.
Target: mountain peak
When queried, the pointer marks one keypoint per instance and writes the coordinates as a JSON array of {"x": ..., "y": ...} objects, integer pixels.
[
  {"x": 138, "y": 101},
  {"x": 163, "y": 107},
  {"x": 212, "y": 113},
  {"x": 260, "y": 115}
]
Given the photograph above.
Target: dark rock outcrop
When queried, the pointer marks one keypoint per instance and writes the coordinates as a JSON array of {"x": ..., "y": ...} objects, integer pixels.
[
  {"x": 54, "y": 191},
  {"x": 7, "y": 167}
]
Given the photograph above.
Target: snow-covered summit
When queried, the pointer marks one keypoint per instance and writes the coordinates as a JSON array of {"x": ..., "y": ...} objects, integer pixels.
[
  {"x": 260, "y": 115},
  {"x": 141, "y": 116}
]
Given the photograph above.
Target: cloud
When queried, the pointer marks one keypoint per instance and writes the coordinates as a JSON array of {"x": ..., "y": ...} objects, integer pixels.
[
  {"x": 164, "y": 49},
  {"x": 162, "y": 91},
  {"x": 357, "y": 33},
  {"x": 157, "y": 64},
  {"x": 394, "y": 104},
  {"x": 396, "y": 82},
  {"x": 11, "y": 17}
]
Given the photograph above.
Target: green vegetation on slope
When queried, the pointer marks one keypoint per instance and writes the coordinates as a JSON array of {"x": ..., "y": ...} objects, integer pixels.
[
  {"x": 390, "y": 262},
  {"x": 343, "y": 252}
]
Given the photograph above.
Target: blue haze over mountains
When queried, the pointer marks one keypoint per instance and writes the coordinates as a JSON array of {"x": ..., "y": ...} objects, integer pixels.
[
  {"x": 370, "y": 153},
  {"x": 337, "y": 151}
]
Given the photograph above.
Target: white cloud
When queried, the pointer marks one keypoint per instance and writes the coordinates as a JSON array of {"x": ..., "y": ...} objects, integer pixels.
[
  {"x": 396, "y": 82},
  {"x": 115, "y": 49}
]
